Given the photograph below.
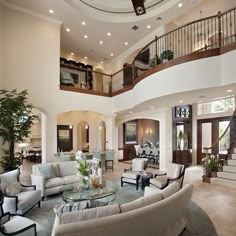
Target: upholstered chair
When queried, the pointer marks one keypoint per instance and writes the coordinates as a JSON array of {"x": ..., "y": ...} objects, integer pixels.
[
  {"x": 18, "y": 225},
  {"x": 109, "y": 162},
  {"x": 132, "y": 175},
  {"x": 18, "y": 198},
  {"x": 175, "y": 173}
]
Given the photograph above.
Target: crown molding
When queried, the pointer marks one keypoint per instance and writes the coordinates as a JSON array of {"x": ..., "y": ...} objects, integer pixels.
[{"x": 29, "y": 12}]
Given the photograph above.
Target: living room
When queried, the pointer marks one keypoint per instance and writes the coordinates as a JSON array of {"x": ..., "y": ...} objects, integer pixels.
[{"x": 29, "y": 59}]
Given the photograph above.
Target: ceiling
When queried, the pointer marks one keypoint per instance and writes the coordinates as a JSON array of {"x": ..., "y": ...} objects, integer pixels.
[{"x": 100, "y": 21}]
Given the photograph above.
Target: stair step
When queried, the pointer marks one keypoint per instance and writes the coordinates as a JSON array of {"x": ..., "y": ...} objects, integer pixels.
[
  {"x": 229, "y": 169},
  {"x": 232, "y": 162},
  {"x": 227, "y": 175},
  {"x": 224, "y": 182},
  {"x": 232, "y": 156}
]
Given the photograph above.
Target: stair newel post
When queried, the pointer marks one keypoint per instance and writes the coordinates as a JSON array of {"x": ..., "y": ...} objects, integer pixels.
[
  {"x": 110, "y": 89},
  {"x": 155, "y": 50},
  {"x": 219, "y": 29}
]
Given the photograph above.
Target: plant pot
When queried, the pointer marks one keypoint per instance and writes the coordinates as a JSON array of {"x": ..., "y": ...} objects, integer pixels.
[
  {"x": 206, "y": 179},
  {"x": 214, "y": 174}
]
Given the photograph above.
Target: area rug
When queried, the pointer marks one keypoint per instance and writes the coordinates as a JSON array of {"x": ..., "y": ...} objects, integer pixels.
[{"x": 198, "y": 222}]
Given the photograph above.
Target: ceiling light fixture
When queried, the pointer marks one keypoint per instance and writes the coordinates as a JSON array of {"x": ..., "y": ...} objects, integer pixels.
[
  {"x": 229, "y": 90},
  {"x": 101, "y": 42},
  {"x": 112, "y": 54},
  {"x": 180, "y": 4},
  {"x": 85, "y": 58},
  {"x": 72, "y": 54},
  {"x": 130, "y": 112},
  {"x": 148, "y": 26},
  {"x": 151, "y": 107},
  {"x": 108, "y": 34},
  {"x": 51, "y": 11},
  {"x": 180, "y": 101},
  {"x": 126, "y": 43},
  {"x": 67, "y": 29},
  {"x": 83, "y": 23},
  {"x": 139, "y": 7},
  {"x": 85, "y": 36},
  {"x": 101, "y": 62}
]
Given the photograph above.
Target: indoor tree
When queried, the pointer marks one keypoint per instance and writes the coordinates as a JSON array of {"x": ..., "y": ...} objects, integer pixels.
[{"x": 16, "y": 118}]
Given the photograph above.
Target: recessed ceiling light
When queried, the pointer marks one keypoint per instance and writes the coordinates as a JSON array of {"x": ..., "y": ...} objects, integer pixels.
[
  {"x": 126, "y": 43},
  {"x": 85, "y": 58},
  {"x": 180, "y": 101},
  {"x": 72, "y": 54},
  {"x": 148, "y": 26},
  {"x": 180, "y": 4},
  {"x": 130, "y": 112},
  {"x": 101, "y": 42},
  {"x": 83, "y": 23},
  {"x": 51, "y": 11},
  {"x": 229, "y": 90},
  {"x": 85, "y": 36},
  {"x": 101, "y": 62},
  {"x": 108, "y": 34},
  {"x": 151, "y": 107},
  {"x": 67, "y": 29},
  {"x": 112, "y": 54}
]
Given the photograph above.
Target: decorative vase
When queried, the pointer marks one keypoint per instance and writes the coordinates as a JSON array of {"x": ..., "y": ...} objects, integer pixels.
[{"x": 84, "y": 181}]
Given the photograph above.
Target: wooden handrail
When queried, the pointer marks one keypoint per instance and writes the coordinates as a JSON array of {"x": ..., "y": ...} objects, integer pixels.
[{"x": 223, "y": 134}]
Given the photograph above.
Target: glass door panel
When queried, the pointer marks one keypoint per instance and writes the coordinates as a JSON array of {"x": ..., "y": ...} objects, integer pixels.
[
  {"x": 225, "y": 141},
  {"x": 206, "y": 136}
]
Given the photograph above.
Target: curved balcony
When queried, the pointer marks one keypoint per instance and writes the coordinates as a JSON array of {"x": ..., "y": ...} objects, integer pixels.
[{"x": 208, "y": 37}]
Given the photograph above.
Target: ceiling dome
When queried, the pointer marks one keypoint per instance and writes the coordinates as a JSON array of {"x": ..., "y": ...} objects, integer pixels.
[{"x": 120, "y": 11}]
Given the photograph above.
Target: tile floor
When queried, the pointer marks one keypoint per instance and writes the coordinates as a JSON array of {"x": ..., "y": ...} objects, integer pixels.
[{"x": 218, "y": 202}]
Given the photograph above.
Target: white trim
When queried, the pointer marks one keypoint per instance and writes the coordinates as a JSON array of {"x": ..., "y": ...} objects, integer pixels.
[{"x": 29, "y": 12}]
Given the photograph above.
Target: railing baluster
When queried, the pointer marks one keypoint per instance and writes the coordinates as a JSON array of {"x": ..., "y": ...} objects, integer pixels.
[{"x": 219, "y": 28}]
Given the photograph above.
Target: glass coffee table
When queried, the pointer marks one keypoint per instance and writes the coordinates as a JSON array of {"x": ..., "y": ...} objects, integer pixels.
[{"x": 95, "y": 196}]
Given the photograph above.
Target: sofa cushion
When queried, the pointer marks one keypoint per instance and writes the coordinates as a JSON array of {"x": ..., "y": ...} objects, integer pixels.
[
  {"x": 27, "y": 198},
  {"x": 71, "y": 179},
  {"x": 130, "y": 174},
  {"x": 67, "y": 168},
  {"x": 89, "y": 214},
  {"x": 141, "y": 202},
  {"x": 159, "y": 181},
  {"x": 69, "y": 207},
  {"x": 170, "y": 189},
  {"x": 50, "y": 183},
  {"x": 47, "y": 170},
  {"x": 13, "y": 189}
]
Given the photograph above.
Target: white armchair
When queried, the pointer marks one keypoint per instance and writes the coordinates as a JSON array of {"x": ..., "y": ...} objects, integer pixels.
[
  {"x": 175, "y": 173},
  {"x": 132, "y": 175},
  {"x": 18, "y": 198},
  {"x": 18, "y": 225}
]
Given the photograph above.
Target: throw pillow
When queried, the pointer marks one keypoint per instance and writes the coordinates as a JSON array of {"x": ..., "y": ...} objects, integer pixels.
[
  {"x": 69, "y": 207},
  {"x": 47, "y": 171},
  {"x": 13, "y": 189}
]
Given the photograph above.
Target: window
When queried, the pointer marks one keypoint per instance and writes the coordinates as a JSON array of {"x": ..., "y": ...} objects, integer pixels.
[{"x": 220, "y": 105}]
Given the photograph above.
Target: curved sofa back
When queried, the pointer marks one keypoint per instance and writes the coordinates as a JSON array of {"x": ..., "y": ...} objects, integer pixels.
[{"x": 163, "y": 218}]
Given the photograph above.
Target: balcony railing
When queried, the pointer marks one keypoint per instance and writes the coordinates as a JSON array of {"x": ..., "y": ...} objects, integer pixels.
[{"x": 206, "y": 37}]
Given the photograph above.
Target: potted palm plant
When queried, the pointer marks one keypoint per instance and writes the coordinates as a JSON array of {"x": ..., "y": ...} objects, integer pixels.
[
  {"x": 16, "y": 119},
  {"x": 167, "y": 55}
]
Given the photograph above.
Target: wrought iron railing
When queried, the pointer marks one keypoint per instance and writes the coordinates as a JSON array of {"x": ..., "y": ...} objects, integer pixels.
[{"x": 205, "y": 34}]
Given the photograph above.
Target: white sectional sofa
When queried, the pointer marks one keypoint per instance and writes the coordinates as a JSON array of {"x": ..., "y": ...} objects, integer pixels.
[
  {"x": 55, "y": 177},
  {"x": 158, "y": 214}
]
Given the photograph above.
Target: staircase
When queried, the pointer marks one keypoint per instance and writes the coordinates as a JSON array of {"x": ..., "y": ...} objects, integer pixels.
[{"x": 228, "y": 176}]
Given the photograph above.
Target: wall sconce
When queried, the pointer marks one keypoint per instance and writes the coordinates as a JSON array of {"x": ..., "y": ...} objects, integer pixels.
[
  {"x": 86, "y": 126},
  {"x": 70, "y": 127},
  {"x": 149, "y": 131},
  {"x": 100, "y": 127}
]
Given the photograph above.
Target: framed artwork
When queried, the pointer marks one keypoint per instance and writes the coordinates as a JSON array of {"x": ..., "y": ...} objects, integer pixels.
[
  {"x": 64, "y": 138},
  {"x": 131, "y": 133}
]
